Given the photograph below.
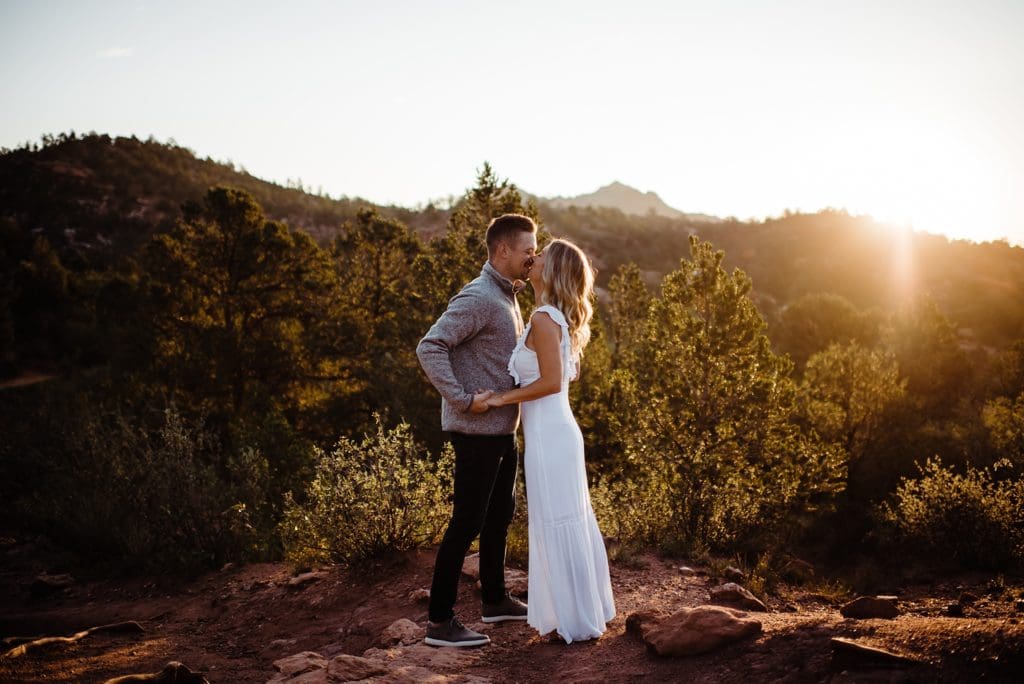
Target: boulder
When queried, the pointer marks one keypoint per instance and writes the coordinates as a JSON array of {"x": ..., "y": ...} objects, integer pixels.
[
  {"x": 639, "y": 622},
  {"x": 297, "y": 665},
  {"x": 690, "y": 631},
  {"x": 350, "y": 668},
  {"x": 401, "y": 632},
  {"x": 471, "y": 566},
  {"x": 868, "y": 607},
  {"x": 732, "y": 594}
]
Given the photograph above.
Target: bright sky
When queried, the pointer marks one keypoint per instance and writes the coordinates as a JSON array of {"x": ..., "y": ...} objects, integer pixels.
[{"x": 910, "y": 111}]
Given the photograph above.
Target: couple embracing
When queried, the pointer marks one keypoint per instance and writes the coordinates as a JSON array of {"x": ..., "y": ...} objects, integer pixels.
[{"x": 487, "y": 366}]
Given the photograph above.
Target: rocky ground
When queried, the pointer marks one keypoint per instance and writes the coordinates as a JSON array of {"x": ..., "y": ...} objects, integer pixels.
[{"x": 261, "y": 623}]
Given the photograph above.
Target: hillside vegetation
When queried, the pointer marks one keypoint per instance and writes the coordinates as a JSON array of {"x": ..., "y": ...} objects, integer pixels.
[{"x": 226, "y": 351}]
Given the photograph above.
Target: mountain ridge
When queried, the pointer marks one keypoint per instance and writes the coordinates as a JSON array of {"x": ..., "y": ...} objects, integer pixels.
[{"x": 628, "y": 200}]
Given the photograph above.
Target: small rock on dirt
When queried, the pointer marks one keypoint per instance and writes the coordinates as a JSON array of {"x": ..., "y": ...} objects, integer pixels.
[
  {"x": 690, "y": 631},
  {"x": 734, "y": 574},
  {"x": 955, "y": 610},
  {"x": 867, "y": 607},
  {"x": 298, "y": 664},
  {"x": 350, "y": 668},
  {"x": 686, "y": 571},
  {"x": 46, "y": 584},
  {"x": 732, "y": 594},
  {"x": 471, "y": 566},
  {"x": 847, "y": 653},
  {"x": 401, "y": 632},
  {"x": 304, "y": 579},
  {"x": 419, "y": 595}
]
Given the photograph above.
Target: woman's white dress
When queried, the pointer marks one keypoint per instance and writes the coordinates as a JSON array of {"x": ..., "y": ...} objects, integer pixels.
[{"x": 569, "y": 587}]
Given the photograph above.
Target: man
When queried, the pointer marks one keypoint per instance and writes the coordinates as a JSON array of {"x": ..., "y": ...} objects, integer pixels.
[{"x": 468, "y": 348}]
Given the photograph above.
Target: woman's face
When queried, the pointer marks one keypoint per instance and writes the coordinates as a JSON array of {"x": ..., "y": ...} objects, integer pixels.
[{"x": 537, "y": 269}]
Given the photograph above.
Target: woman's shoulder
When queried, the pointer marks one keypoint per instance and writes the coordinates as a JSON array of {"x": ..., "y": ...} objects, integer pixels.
[{"x": 552, "y": 312}]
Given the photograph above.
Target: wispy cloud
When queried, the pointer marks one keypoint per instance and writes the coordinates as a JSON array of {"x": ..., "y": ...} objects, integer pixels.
[{"x": 115, "y": 53}]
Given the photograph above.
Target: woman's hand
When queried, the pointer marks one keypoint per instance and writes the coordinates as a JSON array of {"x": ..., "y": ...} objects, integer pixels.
[{"x": 495, "y": 401}]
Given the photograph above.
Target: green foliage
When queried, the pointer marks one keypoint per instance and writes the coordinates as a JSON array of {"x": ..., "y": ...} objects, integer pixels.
[
  {"x": 369, "y": 498},
  {"x": 376, "y": 315},
  {"x": 633, "y": 512},
  {"x": 1004, "y": 419},
  {"x": 456, "y": 257},
  {"x": 713, "y": 410},
  {"x": 814, "y": 321},
  {"x": 165, "y": 497},
  {"x": 972, "y": 519},
  {"x": 845, "y": 394}
]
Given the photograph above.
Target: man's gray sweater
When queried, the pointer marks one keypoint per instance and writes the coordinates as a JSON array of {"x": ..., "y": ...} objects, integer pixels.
[{"x": 468, "y": 348}]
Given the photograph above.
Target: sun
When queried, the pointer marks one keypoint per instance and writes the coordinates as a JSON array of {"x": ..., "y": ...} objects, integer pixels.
[{"x": 925, "y": 176}]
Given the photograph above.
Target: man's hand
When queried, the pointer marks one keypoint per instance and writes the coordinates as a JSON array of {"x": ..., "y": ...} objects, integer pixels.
[{"x": 479, "y": 404}]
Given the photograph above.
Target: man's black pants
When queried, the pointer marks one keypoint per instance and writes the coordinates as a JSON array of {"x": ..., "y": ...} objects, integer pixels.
[{"x": 484, "y": 502}]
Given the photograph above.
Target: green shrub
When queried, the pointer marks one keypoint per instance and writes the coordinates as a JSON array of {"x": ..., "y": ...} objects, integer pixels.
[
  {"x": 972, "y": 518},
  {"x": 370, "y": 498},
  {"x": 167, "y": 498},
  {"x": 633, "y": 513}
]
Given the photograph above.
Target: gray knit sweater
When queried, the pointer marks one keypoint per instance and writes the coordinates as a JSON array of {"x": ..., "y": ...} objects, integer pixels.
[{"x": 468, "y": 348}]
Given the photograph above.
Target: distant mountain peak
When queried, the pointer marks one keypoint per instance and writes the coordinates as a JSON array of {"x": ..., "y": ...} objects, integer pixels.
[{"x": 625, "y": 198}]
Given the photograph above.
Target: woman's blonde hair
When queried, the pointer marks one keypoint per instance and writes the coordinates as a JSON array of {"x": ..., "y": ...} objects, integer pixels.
[{"x": 569, "y": 287}]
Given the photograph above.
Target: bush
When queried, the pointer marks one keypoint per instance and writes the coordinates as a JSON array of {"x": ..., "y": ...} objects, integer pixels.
[
  {"x": 165, "y": 497},
  {"x": 366, "y": 499},
  {"x": 971, "y": 518},
  {"x": 633, "y": 513}
]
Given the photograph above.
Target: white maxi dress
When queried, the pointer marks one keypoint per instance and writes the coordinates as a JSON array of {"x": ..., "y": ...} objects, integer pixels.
[{"x": 570, "y": 589}]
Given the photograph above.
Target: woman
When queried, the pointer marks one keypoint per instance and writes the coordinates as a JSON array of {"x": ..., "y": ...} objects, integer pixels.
[{"x": 570, "y": 590}]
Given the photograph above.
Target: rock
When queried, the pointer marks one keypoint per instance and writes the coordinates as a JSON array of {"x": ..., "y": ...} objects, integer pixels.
[
  {"x": 955, "y": 610},
  {"x": 797, "y": 571},
  {"x": 1019, "y": 605},
  {"x": 298, "y": 664},
  {"x": 867, "y": 607},
  {"x": 283, "y": 642},
  {"x": 350, "y": 668},
  {"x": 401, "y": 632},
  {"x": 172, "y": 672},
  {"x": 419, "y": 595},
  {"x": 471, "y": 566},
  {"x": 690, "y": 631},
  {"x": 734, "y": 574},
  {"x": 847, "y": 653},
  {"x": 732, "y": 594},
  {"x": 686, "y": 571},
  {"x": 46, "y": 584},
  {"x": 639, "y": 622},
  {"x": 967, "y": 598},
  {"x": 305, "y": 578},
  {"x": 227, "y": 566},
  {"x": 517, "y": 582}
]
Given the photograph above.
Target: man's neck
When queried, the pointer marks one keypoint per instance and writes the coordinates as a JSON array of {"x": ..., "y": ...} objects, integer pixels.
[{"x": 500, "y": 271}]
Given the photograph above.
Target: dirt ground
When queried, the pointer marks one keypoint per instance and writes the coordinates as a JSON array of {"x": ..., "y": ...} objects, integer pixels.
[{"x": 234, "y": 623}]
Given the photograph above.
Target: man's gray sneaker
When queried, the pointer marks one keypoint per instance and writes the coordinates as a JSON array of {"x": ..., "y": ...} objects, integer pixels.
[
  {"x": 510, "y": 608},
  {"x": 453, "y": 633}
]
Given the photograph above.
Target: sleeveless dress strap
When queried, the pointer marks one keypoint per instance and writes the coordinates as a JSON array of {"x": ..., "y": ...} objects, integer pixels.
[{"x": 568, "y": 359}]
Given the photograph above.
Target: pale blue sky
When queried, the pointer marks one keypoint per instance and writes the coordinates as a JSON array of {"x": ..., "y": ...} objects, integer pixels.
[{"x": 910, "y": 111}]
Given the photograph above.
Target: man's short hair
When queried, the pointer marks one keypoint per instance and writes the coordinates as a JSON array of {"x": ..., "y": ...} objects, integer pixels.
[{"x": 505, "y": 227}]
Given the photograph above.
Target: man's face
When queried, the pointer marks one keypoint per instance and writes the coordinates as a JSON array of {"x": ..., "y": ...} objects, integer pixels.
[{"x": 523, "y": 250}]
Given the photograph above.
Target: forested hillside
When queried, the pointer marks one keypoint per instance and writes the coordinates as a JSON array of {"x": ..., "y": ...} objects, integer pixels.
[{"x": 234, "y": 373}]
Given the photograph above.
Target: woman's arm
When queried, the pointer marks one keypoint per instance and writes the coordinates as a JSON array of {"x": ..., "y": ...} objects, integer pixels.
[{"x": 546, "y": 336}]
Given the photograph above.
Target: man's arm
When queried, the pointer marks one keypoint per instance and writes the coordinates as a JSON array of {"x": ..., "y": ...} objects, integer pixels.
[{"x": 461, "y": 320}]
